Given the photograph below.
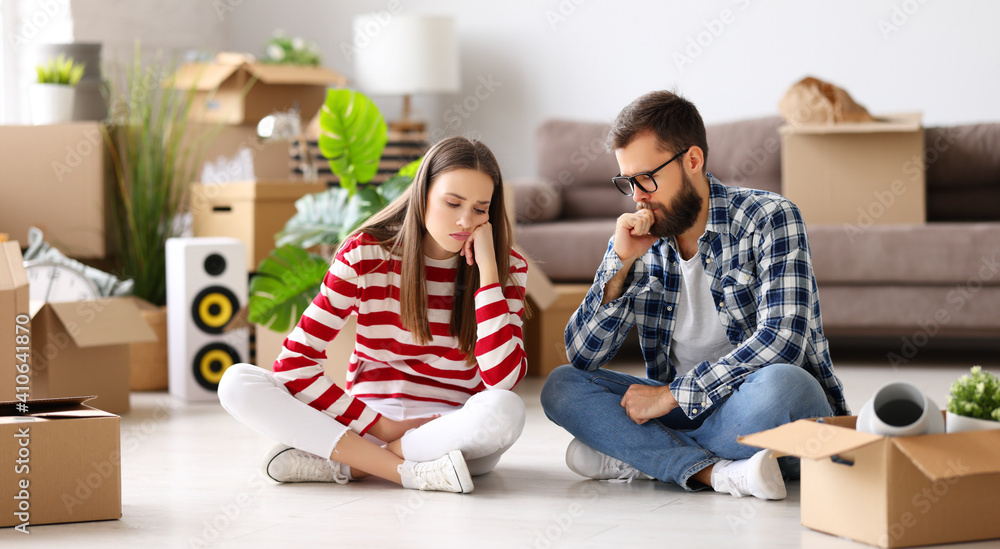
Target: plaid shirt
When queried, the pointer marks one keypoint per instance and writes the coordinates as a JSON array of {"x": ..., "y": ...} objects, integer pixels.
[{"x": 756, "y": 252}]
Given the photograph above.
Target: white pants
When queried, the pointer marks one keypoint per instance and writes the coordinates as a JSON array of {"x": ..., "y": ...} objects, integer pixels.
[{"x": 483, "y": 429}]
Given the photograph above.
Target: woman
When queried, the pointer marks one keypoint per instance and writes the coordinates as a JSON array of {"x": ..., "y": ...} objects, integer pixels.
[{"x": 439, "y": 297}]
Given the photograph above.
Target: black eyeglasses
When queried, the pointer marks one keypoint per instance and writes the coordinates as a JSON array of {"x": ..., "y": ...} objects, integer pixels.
[{"x": 627, "y": 184}]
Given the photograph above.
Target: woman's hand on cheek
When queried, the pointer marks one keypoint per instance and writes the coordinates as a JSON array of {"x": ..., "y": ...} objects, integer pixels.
[{"x": 479, "y": 244}]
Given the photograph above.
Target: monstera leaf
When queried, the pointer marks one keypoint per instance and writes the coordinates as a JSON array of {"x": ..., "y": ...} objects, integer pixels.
[
  {"x": 352, "y": 136},
  {"x": 321, "y": 218},
  {"x": 285, "y": 284}
]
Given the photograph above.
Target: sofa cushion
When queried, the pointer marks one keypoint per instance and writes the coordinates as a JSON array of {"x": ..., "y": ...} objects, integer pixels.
[
  {"x": 936, "y": 253},
  {"x": 591, "y": 202},
  {"x": 567, "y": 251},
  {"x": 746, "y": 153},
  {"x": 573, "y": 154},
  {"x": 963, "y": 172},
  {"x": 535, "y": 200}
]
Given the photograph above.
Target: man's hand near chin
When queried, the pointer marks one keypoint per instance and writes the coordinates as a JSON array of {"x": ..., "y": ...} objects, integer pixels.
[{"x": 644, "y": 402}]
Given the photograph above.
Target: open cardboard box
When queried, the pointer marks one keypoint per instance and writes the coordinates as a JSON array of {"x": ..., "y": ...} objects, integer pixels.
[
  {"x": 60, "y": 462},
  {"x": 856, "y": 174},
  {"x": 892, "y": 491},
  {"x": 222, "y": 93},
  {"x": 14, "y": 321},
  {"x": 82, "y": 347}
]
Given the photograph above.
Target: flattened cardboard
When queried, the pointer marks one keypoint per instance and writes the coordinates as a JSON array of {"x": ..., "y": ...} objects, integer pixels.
[
  {"x": 83, "y": 347},
  {"x": 222, "y": 94},
  {"x": 72, "y": 469},
  {"x": 54, "y": 177},
  {"x": 893, "y": 491},
  {"x": 13, "y": 302},
  {"x": 251, "y": 211},
  {"x": 856, "y": 174}
]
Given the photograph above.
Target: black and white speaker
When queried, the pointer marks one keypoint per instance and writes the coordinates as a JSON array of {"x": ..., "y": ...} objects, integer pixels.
[{"x": 206, "y": 286}]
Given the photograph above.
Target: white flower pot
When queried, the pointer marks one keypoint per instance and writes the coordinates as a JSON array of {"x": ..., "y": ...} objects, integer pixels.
[
  {"x": 958, "y": 424},
  {"x": 52, "y": 103}
]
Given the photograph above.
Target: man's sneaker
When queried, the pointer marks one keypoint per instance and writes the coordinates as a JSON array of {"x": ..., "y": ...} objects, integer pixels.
[
  {"x": 447, "y": 474},
  {"x": 585, "y": 461},
  {"x": 758, "y": 476},
  {"x": 286, "y": 464}
]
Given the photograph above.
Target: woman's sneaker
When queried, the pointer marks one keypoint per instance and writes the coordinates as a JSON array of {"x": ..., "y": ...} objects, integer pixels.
[
  {"x": 286, "y": 464},
  {"x": 587, "y": 462},
  {"x": 447, "y": 474}
]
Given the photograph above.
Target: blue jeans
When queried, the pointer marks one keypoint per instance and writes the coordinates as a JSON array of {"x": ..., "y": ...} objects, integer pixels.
[{"x": 674, "y": 447}]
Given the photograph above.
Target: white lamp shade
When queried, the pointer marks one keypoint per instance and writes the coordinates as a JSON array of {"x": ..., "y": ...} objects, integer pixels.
[{"x": 408, "y": 54}]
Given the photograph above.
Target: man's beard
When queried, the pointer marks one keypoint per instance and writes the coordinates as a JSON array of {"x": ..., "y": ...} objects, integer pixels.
[{"x": 681, "y": 215}]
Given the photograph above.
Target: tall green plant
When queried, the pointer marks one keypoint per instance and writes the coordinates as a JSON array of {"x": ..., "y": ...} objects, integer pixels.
[{"x": 153, "y": 162}]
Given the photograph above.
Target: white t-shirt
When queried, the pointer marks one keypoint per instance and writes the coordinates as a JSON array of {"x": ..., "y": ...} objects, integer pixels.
[{"x": 698, "y": 334}]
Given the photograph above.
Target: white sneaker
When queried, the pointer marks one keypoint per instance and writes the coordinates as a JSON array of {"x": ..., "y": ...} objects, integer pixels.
[
  {"x": 286, "y": 464},
  {"x": 447, "y": 474},
  {"x": 758, "y": 476},
  {"x": 585, "y": 461}
]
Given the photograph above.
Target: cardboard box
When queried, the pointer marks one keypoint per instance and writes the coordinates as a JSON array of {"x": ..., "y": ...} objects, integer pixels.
[
  {"x": 83, "y": 348},
  {"x": 54, "y": 177},
  {"x": 252, "y": 211},
  {"x": 893, "y": 491},
  {"x": 857, "y": 174},
  {"x": 271, "y": 160},
  {"x": 148, "y": 365},
  {"x": 338, "y": 352},
  {"x": 222, "y": 94},
  {"x": 552, "y": 305},
  {"x": 15, "y": 323},
  {"x": 60, "y": 462}
]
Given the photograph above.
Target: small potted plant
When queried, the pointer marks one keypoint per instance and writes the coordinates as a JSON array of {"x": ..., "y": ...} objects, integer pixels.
[
  {"x": 54, "y": 93},
  {"x": 974, "y": 402}
]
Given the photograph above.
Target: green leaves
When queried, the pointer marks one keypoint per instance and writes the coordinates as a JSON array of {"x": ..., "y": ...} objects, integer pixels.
[
  {"x": 352, "y": 136},
  {"x": 285, "y": 284},
  {"x": 61, "y": 70},
  {"x": 328, "y": 217},
  {"x": 976, "y": 395}
]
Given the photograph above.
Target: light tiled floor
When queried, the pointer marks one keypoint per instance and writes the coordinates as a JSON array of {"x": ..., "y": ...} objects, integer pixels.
[{"x": 190, "y": 479}]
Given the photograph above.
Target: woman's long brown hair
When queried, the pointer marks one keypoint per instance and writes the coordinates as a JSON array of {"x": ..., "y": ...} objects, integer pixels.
[{"x": 400, "y": 229}]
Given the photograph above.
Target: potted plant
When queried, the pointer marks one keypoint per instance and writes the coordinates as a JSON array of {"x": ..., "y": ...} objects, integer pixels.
[
  {"x": 154, "y": 159},
  {"x": 53, "y": 95},
  {"x": 353, "y": 136},
  {"x": 974, "y": 402}
]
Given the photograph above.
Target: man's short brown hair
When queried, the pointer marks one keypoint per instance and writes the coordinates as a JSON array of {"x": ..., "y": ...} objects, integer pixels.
[{"x": 673, "y": 119}]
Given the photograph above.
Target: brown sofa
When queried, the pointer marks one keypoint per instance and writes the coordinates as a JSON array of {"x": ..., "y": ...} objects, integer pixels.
[{"x": 941, "y": 278}]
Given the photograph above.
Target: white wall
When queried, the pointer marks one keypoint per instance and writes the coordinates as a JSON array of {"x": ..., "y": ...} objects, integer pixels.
[{"x": 585, "y": 59}]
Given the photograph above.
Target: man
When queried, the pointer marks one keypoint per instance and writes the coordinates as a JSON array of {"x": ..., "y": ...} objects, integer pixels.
[{"x": 719, "y": 282}]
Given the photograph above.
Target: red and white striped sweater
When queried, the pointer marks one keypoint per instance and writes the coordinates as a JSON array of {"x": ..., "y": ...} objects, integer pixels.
[{"x": 387, "y": 362}]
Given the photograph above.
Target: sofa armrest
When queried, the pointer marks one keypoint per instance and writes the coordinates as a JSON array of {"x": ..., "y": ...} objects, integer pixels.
[{"x": 535, "y": 200}]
